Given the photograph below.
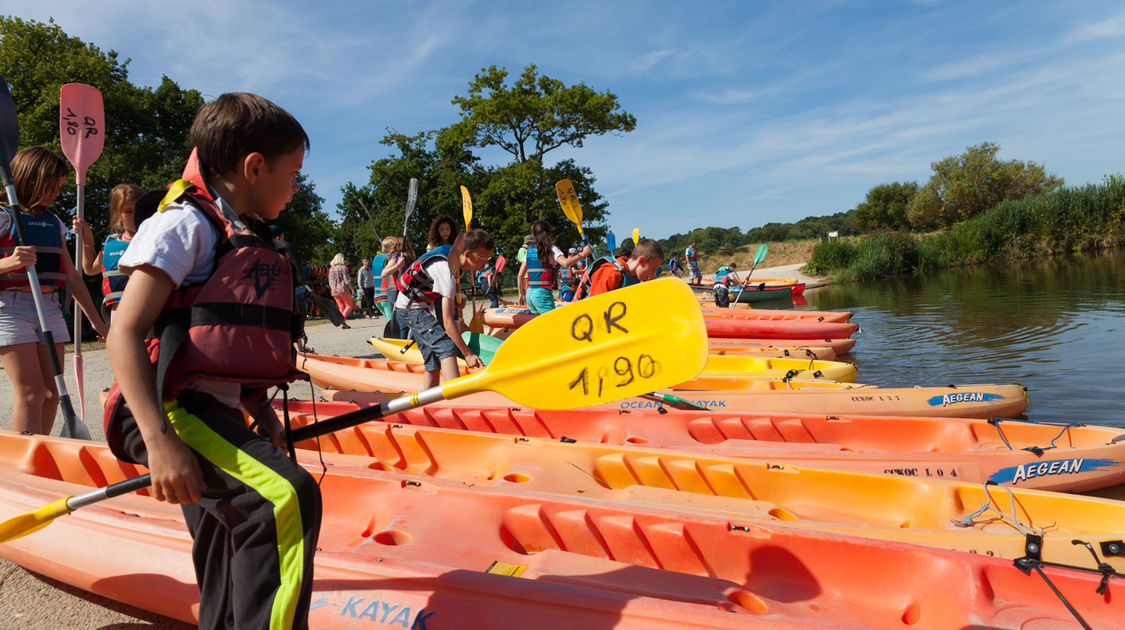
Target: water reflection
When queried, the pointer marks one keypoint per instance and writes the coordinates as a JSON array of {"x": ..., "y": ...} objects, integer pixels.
[{"x": 1055, "y": 326}]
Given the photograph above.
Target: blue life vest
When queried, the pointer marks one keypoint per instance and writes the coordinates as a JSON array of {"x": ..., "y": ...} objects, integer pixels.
[
  {"x": 723, "y": 272},
  {"x": 45, "y": 234},
  {"x": 538, "y": 274},
  {"x": 113, "y": 281}
]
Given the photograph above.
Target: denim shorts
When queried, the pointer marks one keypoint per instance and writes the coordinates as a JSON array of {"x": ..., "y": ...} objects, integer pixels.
[
  {"x": 430, "y": 337},
  {"x": 19, "y": 322},
  {"x": 540, "y": 300}
]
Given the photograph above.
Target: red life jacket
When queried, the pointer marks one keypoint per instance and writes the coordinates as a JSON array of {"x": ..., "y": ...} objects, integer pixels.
[
  {"x": 415, "y": 282},
  {"x": 239, "y": 325},
  {"x": 583, "y": 289},
  {"x": 44, "y": 234}
]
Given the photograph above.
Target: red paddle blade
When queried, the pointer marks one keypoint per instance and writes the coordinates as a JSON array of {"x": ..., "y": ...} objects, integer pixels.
[
  {"x": 81, "y": 126},
  {"x": 500, "y": 262}
]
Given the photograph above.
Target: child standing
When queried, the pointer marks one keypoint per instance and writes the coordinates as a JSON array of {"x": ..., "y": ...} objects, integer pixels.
[
  {"x": 433, "y": 276},
  {"x": 122, "y": 226},
  {"x": 607, "y": 274},
  {"x": 540, "y": 266},
  {"x": 691, "y": 257},
  {"x": 254, "y": 513},
  {"x": 400, "y": 253},
  {"x": 37, "y": 174}
]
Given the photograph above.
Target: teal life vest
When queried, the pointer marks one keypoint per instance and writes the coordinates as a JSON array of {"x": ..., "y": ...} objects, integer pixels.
[
  {"x": 44, "y": 232},
  {"x": 113, "y": 280}
]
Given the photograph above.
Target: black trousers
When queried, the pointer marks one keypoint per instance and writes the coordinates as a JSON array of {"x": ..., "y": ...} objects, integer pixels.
[{"x": 255, "y": 530}]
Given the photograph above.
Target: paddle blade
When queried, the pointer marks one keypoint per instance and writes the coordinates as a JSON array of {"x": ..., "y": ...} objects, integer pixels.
[
  {"x": 475, "y": 324},
  {"x": 636, "y": 236},
  {"x": 466, "y": 207},
  {"x": 9, "y": 130},
  {"x": 484, "y": 346},
  {"x": 500, "y": 262},
  {"x": 24, "y": 524},
  {"x": 598, "y": 350},
  {"x": 568, "y": 199},
  {"x": 81, "y": 126},
  {"x": 611, "y": 242},
  {"x": 411, "y": 200},
  {"x": 760, "y": 255}
]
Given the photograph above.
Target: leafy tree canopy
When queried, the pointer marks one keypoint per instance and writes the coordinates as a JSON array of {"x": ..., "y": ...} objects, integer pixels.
[
  {"x": 963, "y": 186},
  {"x": 885, "y": 207},
  {"x": 147, "y": 129},
  {"x": 528, "y": 119}
]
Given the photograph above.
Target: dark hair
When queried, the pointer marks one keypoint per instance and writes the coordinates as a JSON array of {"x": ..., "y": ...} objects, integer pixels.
[
  {"x": 572, "y": 280},
  {"x": 649, "y": 249},
  {"x": 237, "y": 124},
  {"x": 434, "y": 235},
  {"x": 541, "y": 232},
  {"x": 477, "y": 238}
]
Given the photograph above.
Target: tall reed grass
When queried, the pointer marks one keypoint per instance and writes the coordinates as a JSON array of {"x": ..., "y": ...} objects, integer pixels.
[{"x": 1066, "y": 220}]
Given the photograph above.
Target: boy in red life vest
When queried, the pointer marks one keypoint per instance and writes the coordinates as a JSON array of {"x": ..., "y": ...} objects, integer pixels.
[
  {"x": 607, "y": 274},
  {"x": 433, "y": 276},
  {"x": 205, "y": 277}
]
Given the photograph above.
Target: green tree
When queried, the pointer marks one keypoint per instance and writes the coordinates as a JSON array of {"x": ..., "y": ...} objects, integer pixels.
[
  {"x": 528, "y": 119},
  {"x": 147, "y": 130},
  {"x": 536, "y": 114},
  {"x": 885, "y": 207},
  {"x": 964, "y": 186}
]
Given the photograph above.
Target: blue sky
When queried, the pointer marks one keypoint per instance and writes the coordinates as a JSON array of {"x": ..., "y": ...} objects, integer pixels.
[{"x": 747, "y": 112}]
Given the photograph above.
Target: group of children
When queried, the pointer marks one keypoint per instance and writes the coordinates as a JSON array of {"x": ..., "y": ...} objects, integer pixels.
[{"x": 205, "y": 321}]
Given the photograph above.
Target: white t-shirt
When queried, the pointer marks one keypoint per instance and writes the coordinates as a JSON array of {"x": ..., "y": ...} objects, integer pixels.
[
  {"x": 443, "y": 285},
  {"x": 180, "y": 241}
]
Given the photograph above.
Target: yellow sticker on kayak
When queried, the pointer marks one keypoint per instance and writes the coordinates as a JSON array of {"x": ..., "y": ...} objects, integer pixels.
[{"x": 503, "y": 568}]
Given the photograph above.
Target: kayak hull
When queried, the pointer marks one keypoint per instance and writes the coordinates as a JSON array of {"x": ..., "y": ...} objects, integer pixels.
[
  {"x": 518, "y": 557},
  {"x": 964, "y": 449}
]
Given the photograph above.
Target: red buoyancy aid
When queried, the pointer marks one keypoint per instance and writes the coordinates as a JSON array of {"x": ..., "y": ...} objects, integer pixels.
[
  {"x": 239, "y": 325},
  {"x": 45, "y": 234}
]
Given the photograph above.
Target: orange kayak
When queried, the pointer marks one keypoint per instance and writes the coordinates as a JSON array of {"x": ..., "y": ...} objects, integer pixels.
[
  {"x": 717, "y": 326},
  {"x": 840, "y": 346},
  {"x": 964, "y": 401},
  {"x": 420, "y": 552},
  {"x": 768, "y": 313},
  {"x": 930, "y": 512},
  {"x": 1011, "y": 452},
  {"x": 398, "y": 377}
]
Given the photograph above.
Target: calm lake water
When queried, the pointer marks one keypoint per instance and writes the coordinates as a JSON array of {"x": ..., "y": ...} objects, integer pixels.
[{"x": 1057, "y": 327}]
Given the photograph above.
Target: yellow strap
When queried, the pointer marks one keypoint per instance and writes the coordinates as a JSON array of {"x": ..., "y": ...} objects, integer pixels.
[{"x": 175, "y": 191}]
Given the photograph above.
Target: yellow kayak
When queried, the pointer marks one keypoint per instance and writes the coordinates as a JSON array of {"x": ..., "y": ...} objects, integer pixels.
[{"x": 400, "y": 349}]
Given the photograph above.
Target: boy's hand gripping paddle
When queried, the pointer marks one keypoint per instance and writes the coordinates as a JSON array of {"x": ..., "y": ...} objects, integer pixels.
[
  {"x": 9, "y": 140},
  {"x": 593, "y": 351},
  {"x": 82, "y": 132}
]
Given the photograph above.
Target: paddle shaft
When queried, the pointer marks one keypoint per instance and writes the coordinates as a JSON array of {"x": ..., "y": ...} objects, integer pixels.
[{"x": 359, "y": 416}]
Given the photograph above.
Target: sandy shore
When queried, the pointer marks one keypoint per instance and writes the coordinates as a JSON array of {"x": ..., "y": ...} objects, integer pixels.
[{"x": 32, "y": 602}]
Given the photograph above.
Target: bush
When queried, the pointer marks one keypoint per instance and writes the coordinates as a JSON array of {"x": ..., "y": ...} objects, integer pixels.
[
  {"x": 882, "y": 255},
  {"x": 829, "y": 257}
]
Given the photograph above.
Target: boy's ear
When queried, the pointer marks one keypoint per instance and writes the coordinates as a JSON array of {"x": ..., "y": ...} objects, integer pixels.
[{"x": 252, "y": 166}]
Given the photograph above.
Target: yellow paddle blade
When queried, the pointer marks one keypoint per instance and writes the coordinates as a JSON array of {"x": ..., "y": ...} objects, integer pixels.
[
  {"x": 636, "y": 236},
  {"x": 611, "y": 346},
  {"x": 466, "y": 206},
  {"x": 568, "y": 199},
  {"x": 475, "y": 324},
  {"x": 24, "y": 524}
]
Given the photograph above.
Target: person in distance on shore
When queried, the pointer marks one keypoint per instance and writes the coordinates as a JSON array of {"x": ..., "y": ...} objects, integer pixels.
[
  {"x": 37, "y": 175},
  {"x": 607, "y": 274},
  {"x": 691, "y": 257},
  {"x": 254, "y": 514},
  {"x": 432, "y": 276}
]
